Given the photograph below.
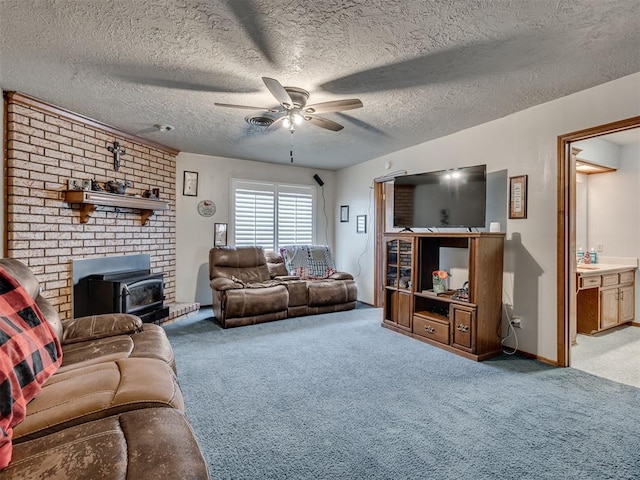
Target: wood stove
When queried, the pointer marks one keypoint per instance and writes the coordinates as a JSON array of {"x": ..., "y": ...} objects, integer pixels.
[{"x": 118, "y": 284}]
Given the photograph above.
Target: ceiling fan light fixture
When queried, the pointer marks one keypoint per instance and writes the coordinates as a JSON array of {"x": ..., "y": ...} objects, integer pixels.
[
  {"x": 286, "y": 122},
  {"x": 297, "y": 118}
]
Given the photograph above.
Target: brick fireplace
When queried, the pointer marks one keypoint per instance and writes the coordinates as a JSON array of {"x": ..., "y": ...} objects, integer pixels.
[{"x": 45, "y": 146}]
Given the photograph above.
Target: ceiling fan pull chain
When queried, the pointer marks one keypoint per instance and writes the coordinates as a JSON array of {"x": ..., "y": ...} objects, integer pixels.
[{"x": 291, "y": 147}]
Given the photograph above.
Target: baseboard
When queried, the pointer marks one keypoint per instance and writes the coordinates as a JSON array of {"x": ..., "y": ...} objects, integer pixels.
[
  {"x": 366, "y": 303},
  {"x": 537, "y": 357},
  {"x": 634, "y": 324}
]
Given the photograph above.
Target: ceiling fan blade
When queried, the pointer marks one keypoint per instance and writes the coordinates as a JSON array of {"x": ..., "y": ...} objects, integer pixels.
[
  {"x": 278, "y": 91},
  {"x": 323, "y": 123},
  {"x": 245, "y": 107},
  {"x": 276, "y": 123},
  {"x": 334, "y": 106}
]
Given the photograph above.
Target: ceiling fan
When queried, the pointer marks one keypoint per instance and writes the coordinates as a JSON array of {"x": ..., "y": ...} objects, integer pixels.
[{"x": 293, "y": 109}]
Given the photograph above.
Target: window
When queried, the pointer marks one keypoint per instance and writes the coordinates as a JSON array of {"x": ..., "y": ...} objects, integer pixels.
[{"x": 272, "y": 215}]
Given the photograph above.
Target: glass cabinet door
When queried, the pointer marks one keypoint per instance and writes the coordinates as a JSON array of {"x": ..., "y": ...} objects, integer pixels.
[
  {"x": 405, "y": 255},
  {"x": 392, "y": 263}
]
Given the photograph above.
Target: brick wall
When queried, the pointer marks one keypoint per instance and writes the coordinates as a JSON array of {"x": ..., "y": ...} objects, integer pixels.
[{"x": 47, "y": 145}]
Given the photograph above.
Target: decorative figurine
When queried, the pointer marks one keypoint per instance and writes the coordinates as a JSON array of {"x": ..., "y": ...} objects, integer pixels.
[
  {"x": 114, "y": 186},
  {"x": 95, "y": 186}
]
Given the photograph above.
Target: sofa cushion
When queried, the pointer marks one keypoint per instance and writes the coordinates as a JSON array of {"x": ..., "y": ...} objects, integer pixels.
[
  {"x": 329, "y": 292},
  {"x": 89, "y": 393},
  {"x": 276, "y": 265},
  {"x": 244, "y": 263},
  {"x": 29, "y": 354},
  {"x": 249, "y": 302},
  {"x": 308, "y": 261},
  {"x": 148, "y": 443}
]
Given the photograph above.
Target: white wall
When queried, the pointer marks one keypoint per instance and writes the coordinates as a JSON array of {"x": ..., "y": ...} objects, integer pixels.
[
  {"x": 194, "y": 235},
  {"x": 614, "y": 209},
  {"x": 522, "y": 143},
  {"x": 599, "y": 151}
]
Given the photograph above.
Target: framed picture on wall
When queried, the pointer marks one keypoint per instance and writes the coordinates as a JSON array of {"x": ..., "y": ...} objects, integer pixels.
[
  {"x": 344, "y": 213},
  {"x": 361, "y": 224},
  {"x": 190, "y": 184},
  {"x": 219, "y": 234},
  {"x": 518, "y": 197}
]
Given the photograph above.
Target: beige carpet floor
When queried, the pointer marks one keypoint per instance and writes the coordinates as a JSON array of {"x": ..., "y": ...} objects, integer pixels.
[{"x": 614, "y": 354}]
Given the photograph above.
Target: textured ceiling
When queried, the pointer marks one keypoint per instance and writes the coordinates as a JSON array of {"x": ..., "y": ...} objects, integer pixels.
[{"x": 422, "y": 68}]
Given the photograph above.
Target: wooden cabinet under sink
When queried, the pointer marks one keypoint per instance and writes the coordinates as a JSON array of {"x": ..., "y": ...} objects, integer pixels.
[{"x": 605, "y": 301}]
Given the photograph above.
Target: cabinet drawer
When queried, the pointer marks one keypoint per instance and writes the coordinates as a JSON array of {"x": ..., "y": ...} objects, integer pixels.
[
  {"x": 588, "y": 282},
  {"x": 609, "y": 279},
  {"x": 431, "y": 329},
  {"x": 627, "y": 277}
]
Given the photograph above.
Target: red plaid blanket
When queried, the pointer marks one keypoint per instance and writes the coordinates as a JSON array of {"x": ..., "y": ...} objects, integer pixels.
[{"x": 29, "y": 354}]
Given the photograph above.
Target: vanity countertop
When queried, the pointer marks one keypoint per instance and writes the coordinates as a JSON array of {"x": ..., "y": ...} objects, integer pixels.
[{"x": 602, "y": 268}]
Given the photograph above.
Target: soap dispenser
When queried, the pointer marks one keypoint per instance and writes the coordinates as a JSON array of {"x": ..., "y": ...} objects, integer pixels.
[
  {"x": 593, "y": 255},
  {"x": 580, "y": 256}
]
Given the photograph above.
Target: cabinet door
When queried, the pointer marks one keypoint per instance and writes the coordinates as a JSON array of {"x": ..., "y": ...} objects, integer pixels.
[
  {"x": 405, "y": 260},
  {"x": 404, "y": 310},
  {"x": 608, "y": 308},
  {"x": 627, "y": 303},
  {"x": 463, "y": 328},
  {"x": 392, "y": 264}
]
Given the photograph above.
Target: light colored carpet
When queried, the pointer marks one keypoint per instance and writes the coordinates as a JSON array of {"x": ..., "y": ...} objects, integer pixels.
[
  {"x": 338, "y": 397},
  {"x": 614, "y": 354}
]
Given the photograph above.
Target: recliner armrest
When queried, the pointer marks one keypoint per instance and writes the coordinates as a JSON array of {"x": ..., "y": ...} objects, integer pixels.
[
  {"x": 286, "y": 278},
  {"x": 92, "y": 327},
  {"x": 223, "y": 283},
  {"x": 341, "y": 276}
]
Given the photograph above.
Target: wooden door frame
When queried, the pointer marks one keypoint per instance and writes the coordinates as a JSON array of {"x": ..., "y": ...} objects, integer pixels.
[{"x": 566, "y": 242}]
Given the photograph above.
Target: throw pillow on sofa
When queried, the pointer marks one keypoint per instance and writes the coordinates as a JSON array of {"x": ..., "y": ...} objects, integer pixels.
[
  {"x": 29, "y": 354},
  {"x": 309, "y": 262}
]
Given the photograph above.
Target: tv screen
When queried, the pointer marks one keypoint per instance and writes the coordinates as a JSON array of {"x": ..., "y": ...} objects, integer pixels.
[{"x": 446, "y": 198}]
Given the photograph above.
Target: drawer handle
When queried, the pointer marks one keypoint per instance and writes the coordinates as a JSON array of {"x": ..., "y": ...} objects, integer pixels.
[
  {"x": 429, "y": 329},
  {"x": 462, "y": 327}
]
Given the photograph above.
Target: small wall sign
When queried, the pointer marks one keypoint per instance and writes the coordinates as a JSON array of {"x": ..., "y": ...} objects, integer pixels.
[{"x": 206, "y": 208}]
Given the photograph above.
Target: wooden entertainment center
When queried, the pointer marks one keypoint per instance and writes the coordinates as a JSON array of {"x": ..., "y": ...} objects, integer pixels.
[{"x": 470, "y": 328}]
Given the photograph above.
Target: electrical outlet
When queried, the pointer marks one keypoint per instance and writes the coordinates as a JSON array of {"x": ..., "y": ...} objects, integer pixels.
[
  {"x": 600, "y": 247},
  {"x": 516, "y": 322}
]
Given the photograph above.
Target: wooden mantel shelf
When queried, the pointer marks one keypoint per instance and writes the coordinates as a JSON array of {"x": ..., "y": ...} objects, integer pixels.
[{"x": 90, "y": 200}]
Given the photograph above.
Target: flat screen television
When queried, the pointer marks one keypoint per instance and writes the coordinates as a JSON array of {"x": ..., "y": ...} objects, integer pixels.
[{"x": 447, "y": 198}]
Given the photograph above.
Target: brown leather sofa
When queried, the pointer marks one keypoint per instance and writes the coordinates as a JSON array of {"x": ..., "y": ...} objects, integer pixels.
[
  {"x": 249, "y": 287},
  {"x": 113, "y": 409}
]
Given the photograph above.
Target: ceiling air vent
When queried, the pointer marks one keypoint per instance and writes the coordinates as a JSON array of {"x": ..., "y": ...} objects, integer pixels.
[{"x": 260, "y": 120}]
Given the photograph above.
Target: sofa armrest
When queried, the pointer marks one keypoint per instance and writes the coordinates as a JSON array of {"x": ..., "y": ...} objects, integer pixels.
[
  {"x": 341, "y": 276},
  {"x": 223, "y": 283},
  {"x": 93, "y": 327},
  {"x": 286, "y": 278}
]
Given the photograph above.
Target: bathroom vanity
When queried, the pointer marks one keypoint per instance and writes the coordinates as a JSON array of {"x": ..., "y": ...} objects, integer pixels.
[{"x": 606, "y": 295}]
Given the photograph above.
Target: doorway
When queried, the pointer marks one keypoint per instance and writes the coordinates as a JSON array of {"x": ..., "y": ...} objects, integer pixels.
[{"x": 566, "y": 239}]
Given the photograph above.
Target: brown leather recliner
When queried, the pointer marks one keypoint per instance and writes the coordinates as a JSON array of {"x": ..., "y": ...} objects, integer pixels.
[
  {"x": 250, "y": 286},
  {"x": 242, "y": 289},
  {"x": 113, "y": 410}
]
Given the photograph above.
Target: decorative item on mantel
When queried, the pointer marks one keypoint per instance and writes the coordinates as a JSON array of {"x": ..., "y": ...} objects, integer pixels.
[
  {"x": 154, "y": 193},
  {"x": 114, "y": 186},
  {"x": 440, "y": 281}
]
